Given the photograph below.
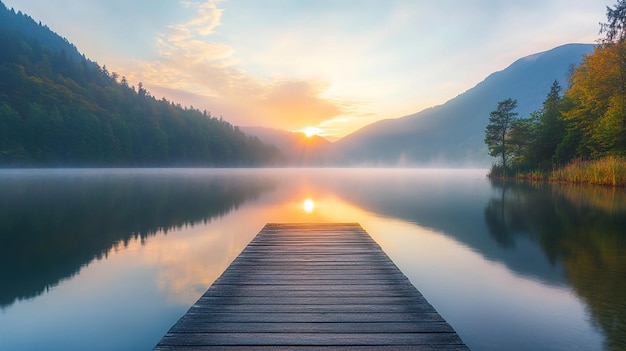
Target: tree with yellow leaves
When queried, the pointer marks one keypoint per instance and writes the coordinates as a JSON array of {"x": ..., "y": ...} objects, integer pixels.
[{"x": 596, "y": 116}]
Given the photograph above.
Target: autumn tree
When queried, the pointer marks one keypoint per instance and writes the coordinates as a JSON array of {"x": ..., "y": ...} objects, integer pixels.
[
  {"x": 598, "y": 96},
  {"x": 594, "y": 107},
  {"x": 497, "y": 133}
]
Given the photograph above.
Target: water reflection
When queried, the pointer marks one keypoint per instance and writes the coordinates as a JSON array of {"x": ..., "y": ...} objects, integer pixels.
[
  {"x": 580, "y": 227},
  {"x": 504, "y": 264},
  {"x": 448, "y": 201},
  {"x": 53, "y": 223}
]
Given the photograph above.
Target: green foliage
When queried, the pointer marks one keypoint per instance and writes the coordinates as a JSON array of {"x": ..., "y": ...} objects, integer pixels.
[
  {"x": 59, "y": 109},
  {"x": 498, "y": 131},
  {"x": 589, "y": 121},
  {"x": 562, "y": 132},
  {"x": 550, "y": 128},
  {"x": 522, "y": 136},
  {"x": 537, "y": 137}
]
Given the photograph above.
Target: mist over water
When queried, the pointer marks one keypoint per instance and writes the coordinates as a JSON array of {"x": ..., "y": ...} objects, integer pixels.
[{"x": 110, "y": 259}]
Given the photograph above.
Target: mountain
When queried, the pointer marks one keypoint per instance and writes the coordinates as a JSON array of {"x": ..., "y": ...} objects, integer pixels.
[
  {"x": 60, "y": 109},
  {"x": 297, "y": 148},
  {"x": 31, "y": 31},
  {"x": 452, "y": 134},
  {"x": 57, "y": 108}
]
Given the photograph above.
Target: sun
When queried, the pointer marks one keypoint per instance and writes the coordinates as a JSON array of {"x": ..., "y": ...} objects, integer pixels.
[
  {"x": 308, "y": 205},
  {"x": 311, "y": 131}
]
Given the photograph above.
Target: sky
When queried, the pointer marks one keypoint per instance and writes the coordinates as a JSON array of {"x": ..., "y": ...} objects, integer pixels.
[{"x": 335, "y": 65}]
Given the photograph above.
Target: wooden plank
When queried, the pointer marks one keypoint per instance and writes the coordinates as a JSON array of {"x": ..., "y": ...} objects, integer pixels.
[
  {"x": 288, "y": 275},
  {"x": 309, "y": 300},
  {"x": 385, "y": 317},
  {"x": 290, "y": 291},
  {"x": 245, "y": 308},
  {"x": 318, "y": 339},
  {"x": 192, "y": 325},
  {"x": 313, "y": 348},
  {"x": 351, "y": 289},
  {"x": 312, "y": 287}
]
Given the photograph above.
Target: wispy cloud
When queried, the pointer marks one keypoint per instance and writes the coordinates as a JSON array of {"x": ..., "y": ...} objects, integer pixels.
[
  {"x": 190, "y": 60},
  {"x": 207, "y": 19}
]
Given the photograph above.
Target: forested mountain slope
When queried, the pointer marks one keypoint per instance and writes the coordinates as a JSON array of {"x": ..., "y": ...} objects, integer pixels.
[{"x": 57, "y": 108}]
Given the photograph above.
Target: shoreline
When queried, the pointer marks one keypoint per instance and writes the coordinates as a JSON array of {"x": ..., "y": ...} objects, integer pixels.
[{"x": 607, "y": 171}]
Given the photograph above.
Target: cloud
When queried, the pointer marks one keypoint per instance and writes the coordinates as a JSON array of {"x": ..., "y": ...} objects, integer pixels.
[
  {"x": 295, "y": 104},
  {"x": 208, "y": 76},
  {"x": 207, "y": 18},
  {"x": 293, "y": 66}
]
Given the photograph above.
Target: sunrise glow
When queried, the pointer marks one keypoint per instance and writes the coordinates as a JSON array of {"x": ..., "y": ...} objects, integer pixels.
[
  {"x": 308, "y": 205},
  {"x": 311, "y": 131},
  {"x": 258, "y": 65}
]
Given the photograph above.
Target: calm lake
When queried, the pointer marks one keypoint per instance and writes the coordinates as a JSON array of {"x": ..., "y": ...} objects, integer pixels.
[{"x": 96, "y": 259}]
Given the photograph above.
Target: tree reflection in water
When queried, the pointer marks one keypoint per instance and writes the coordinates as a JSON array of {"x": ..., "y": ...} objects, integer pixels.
[
  {"x": 583, "y": 227},
  {"x": 53, "y": 225}
]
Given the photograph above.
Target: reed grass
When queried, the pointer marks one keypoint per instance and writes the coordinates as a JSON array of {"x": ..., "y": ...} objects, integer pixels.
[
  {"x": 533, "y": 176},
  {"x": 609, "y": 170}
]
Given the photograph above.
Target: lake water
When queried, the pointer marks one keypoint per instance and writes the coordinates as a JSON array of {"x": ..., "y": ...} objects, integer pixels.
[{"x": 110, "y": 259}]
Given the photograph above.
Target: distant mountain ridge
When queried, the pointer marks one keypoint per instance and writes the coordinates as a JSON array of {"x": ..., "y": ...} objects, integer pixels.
[
  {"x": 297, "y": 149},
  {"x": 452, "y": 134}
]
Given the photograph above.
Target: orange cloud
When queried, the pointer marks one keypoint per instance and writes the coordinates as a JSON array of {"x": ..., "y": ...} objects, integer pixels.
[
  {"x": 297, "y": 103},
  {"x": 208, "y": 77}
]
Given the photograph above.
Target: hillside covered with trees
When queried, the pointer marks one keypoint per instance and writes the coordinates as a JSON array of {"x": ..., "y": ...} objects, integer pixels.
[
  {"x": 585, "y": 123},
  {"x": 57, "y": 108}
]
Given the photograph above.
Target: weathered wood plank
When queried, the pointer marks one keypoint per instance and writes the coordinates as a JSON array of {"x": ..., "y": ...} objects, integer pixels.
[
  {"x": 306, "y": 280},
  {"x": 192, "y": 325},
  {"x": 312, "y": 287},
  {"x": 326, "y": 275},
  {"x": 245, "y": 308},
  {"x": 383, "y": 317},
  {"x": 318, "y": 339},
  {"x": 314, "y": 348},
  {"x": 303, "y": 292},
  {"x": 353, "y": 288},
  {"x": 311, "y": 300}
]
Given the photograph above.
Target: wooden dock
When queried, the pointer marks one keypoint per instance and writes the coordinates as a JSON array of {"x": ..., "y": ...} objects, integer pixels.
[{"x": 312, "y": 287}]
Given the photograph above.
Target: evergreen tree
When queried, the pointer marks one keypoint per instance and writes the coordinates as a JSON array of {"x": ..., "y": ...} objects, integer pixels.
[
  {"x": 615, "y": 28},
  {"x": 497, "y": 133},
  {"x": 522, "y": 137},
  {"x": 549, "y": 129}
]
